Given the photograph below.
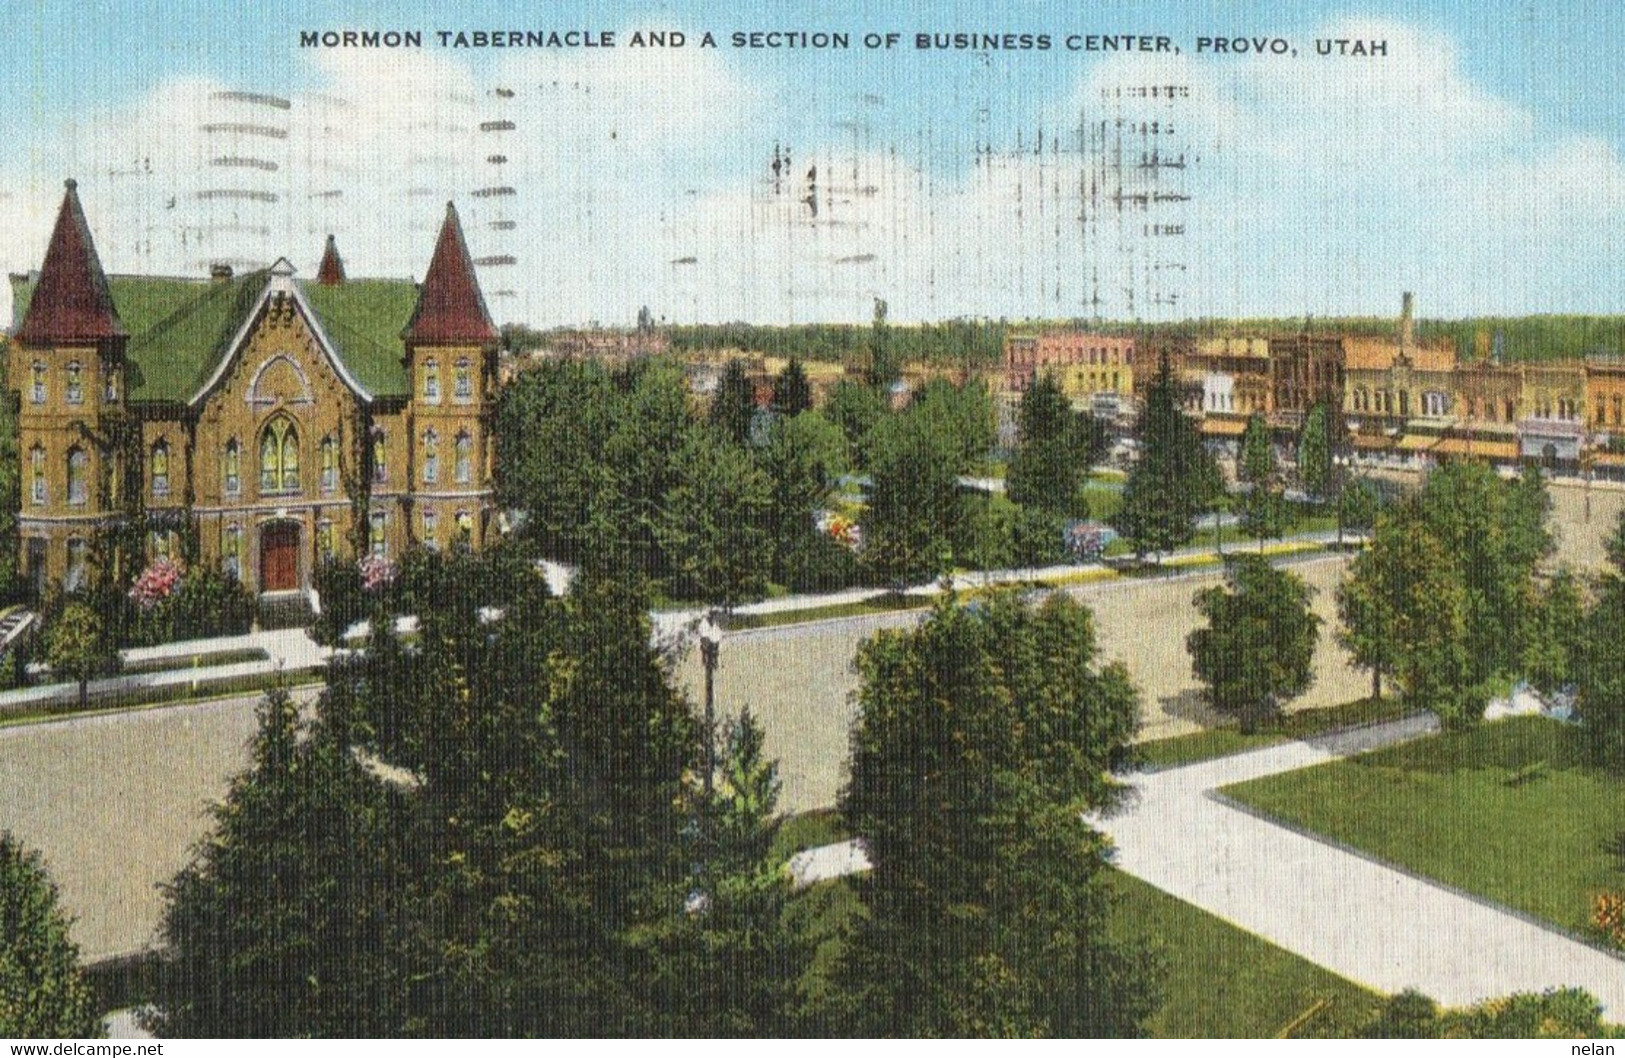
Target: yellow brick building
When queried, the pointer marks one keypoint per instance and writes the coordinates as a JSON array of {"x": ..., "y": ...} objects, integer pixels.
[{"x": 260, "y": 422}]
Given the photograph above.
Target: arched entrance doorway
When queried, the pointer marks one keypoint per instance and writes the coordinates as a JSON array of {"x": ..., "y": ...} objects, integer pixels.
[{"x": 279, "y": 557}]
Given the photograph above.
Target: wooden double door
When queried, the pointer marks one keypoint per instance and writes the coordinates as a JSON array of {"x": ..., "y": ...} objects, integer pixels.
[{"x": 279, "y": 557}]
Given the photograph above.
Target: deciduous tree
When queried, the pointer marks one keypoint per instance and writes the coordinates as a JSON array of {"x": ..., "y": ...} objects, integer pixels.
[
  {"x": 1257, "y": 652},
  {"x": 983, "y": 736}
]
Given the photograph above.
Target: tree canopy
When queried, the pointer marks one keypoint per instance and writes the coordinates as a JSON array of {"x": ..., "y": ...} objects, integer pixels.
[
  {"x": 43, "y": 990},
  {"x": 1057, "y": 446},
  {"x": 1257, "y": 652},
  {"x": 982, "y": 738},
  {"x": 1173, "y": 480}
]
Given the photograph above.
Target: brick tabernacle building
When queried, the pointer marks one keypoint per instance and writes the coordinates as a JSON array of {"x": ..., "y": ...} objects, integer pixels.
[{"x": 262, "y": 421}]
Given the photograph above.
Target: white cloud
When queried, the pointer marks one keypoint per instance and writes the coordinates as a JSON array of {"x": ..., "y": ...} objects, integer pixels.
[{"x": 1319, "y": 185}]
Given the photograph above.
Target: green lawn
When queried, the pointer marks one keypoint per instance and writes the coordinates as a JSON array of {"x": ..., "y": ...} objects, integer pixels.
[
  {"x": 1224, "y": 741},
  {"x": 1509, "y": 811},
  {"x": 1220, "y": 980},
  {"x": 1227, "y": 983}
]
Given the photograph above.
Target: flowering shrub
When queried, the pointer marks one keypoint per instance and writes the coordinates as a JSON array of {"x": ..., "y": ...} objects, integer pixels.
[
  {"x": 376, "y": 573},
  {"x": 1608, "y": 915},
  {"x": 841, "y": 529},
  {"x": 1086, "y": 541},
  {"x": 156, "y": 583}
]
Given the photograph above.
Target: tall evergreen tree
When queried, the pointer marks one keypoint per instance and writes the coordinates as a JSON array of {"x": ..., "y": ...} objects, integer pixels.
[
  {"x": 792, "y": 393},
  {"x": 983, "y": 737},
  {"x": 1057, "y": 447},
  {"x": 1256, "y": 464},
  {"x": 734, "y": 404},
  {"x": 1174, "y": 479},
  {"x": 43, "y": 990},
  {"x": 285, "y": 922},
  {"x": 883, "y": 365}
]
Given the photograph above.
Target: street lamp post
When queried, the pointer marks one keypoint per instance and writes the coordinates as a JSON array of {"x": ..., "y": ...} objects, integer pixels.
[{"x": 710, "y": 644}]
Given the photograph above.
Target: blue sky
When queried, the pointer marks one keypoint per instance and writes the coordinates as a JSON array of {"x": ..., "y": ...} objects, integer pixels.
[{"x": 1479, "y": 163}]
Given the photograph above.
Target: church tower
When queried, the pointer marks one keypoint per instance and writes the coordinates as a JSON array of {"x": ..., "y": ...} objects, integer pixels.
[
  {"x": 451, "y": 348},
  {"x": 67, "y": 373}
]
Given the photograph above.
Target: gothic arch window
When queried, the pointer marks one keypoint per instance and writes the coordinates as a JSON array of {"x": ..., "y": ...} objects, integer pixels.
[
  {"x": 464, "y": 470},
  {"x": 78, "y": 552},
  {"x": 231, "y": 550},
  {"x": 233, "y": 467},
  {"x": 160, "y": 469},
  {"x": 431, "y": 457},
  {"x": 431, "y": 381},
  {"x": 78, "y": 477},
  {"x": 36, "y": 469},
  {"x": 431, "y": 523},
  {"x": 279, "y": 456},
  {"x": 464, "y": 381},
  {"x": 76, "y": 386},
  {"x": 330, "y": 464},
  {"x": 324, "y": 537},
  {"x": 38, "y": 378},
  {"x": 380, "y": 458}
]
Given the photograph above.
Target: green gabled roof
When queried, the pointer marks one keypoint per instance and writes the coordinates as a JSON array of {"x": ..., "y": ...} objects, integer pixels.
[
  {"x": 364, "y": 318},
  {"x": 180, "y": 328}
]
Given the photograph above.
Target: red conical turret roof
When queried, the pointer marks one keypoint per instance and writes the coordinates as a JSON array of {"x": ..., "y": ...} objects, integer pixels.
[
  {"x": 331, "y": 272},
  {"x": 450, "y": 306},
  {"x": 70, "y": 302}
]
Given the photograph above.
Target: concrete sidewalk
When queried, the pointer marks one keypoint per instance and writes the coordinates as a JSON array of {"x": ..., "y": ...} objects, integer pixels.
[
  {"x": 1368, "y": 922},
  {"x": 286, "y": 650}
]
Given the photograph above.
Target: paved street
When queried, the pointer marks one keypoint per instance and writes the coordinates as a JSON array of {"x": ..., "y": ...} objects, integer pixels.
[
  {"x": 797, "y": 679},
  {"x": 114, "y": 803}
]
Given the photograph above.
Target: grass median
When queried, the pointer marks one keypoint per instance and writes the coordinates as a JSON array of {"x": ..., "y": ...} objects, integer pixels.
[
  {"x": 1306, "y": 723},
  {"x": 1509, "y": 811}
]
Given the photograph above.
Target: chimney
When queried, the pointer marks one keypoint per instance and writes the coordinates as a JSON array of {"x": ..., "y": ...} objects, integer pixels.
[
  {"x": 220, "y": 272},
  {"x": 1406, "y": 334}
]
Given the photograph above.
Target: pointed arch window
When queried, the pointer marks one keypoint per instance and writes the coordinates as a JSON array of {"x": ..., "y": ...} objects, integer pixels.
[
  {"x": 160, "y": 469},
  {"x": 38, "y": 377},
  {"x": 324, "y": 537},
  {"x": 75, "y": 386},
  {"x": 78, "y": 551},
  {"x": 279, "y": 457},
  {"x": 231, "y": 551},
  {"x": 78, "y": 477},
  {"x": 464, "y": 470},
  {"x": 431, "y": 381},
  {"x": 380, "y": 458},
  {"x": 330, "y": 464},
  {"x": 464, "y": 380},
  {"x": 431, "y": 523},
  {"x": 233, "y": 467},
  {"x": 431, "y": 457},
  {"x": 36, "y": 469}
]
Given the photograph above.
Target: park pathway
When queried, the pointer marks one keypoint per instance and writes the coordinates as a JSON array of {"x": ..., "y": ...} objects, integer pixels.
[{"x": 1371, "y": 923}]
